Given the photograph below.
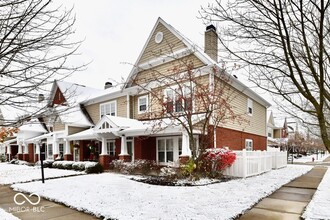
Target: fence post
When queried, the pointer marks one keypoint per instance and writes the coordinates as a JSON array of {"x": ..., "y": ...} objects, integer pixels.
[
  {"x": 259, "y": 160},
  {"x": 245, "y": 164}
]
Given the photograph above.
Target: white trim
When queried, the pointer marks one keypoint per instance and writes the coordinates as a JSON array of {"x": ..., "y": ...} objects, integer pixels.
[
  {"x": 175, "y": 141},
  {"x": 147, "y": 104},
  {"x": 249, "y": 107},
  {"x": 109, "y": 103},
  {"x": 108, "y": 147},
  {"x": 249, "y": 144}
]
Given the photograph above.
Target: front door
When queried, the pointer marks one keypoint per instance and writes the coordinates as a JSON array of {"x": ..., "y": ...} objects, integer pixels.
[
  {"x": 130, "y": 149},
  {"x": 76, "y": 154}
]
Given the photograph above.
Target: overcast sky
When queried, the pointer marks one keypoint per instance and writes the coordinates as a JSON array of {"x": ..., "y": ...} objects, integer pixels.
[{"x": 116, "y": 31}]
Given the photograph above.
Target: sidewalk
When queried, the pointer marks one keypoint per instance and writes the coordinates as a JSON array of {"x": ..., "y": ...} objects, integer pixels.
[
  {"x": 44, "y": 210},
  {"x": 289, "y": 201}
]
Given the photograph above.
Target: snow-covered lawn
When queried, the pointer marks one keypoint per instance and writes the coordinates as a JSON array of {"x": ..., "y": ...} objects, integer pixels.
[
  {"x": 115, "y": 196},
  {"x": 305, "y": 159},
  {"x": 318, "y": 208},
  {"x": 7, "y": 216},
  {"x": 12, "y": 173}
]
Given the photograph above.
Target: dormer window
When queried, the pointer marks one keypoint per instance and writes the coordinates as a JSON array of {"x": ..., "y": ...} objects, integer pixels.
[{"x": 109, "y": 108}]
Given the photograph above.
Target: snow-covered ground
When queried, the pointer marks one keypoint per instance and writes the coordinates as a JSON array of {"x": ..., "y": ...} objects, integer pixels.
[
  {"x": 12, "y": 173},
  {"x": 305, "y": 159},
  {"x": 116, "y": 196},
  {"x": 318, "y": 208},
  {"x": 7, "y": 216}
]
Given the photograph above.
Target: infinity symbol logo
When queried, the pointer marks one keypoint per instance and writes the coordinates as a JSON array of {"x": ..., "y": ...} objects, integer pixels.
[{"x": 26, "y": 198}]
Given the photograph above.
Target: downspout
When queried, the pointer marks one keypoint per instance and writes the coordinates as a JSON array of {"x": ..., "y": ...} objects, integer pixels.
[{"x": 127, "y": 106}]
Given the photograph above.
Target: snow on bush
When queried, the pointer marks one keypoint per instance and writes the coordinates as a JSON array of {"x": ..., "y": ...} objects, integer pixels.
[
  {"x": 89, "y": 167},
  {"x": 46, "y": 163},
  {"x": 138, "y": 166},
  {"x": 216, "y": 160},
  {"x": 167, "y": 171},
  {"x": 19, "y": 162}
]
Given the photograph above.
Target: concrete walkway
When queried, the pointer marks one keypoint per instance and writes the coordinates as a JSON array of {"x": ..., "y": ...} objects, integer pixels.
[
  {"x": 43, "y": 210},
  {"x": 289, "y": 201}
]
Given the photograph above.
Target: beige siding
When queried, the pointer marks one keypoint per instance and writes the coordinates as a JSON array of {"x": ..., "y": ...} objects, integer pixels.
[
  {"x": 169, "y": 44},
  {"x": 58, "y": 126},
  {"x": 94, "y": 109},
  {"x": 256, "y": 123},
  {"x": 170, "y": 68},
  {"x": 74, "y": 130},
  {"x": 122, "y": 106}
]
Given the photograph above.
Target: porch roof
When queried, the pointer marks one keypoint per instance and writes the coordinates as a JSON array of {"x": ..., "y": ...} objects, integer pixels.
[
  {"x": 10, "y": 141},
  {"x": 83, "y": 135},
  {"x": 40, "y": 137}
]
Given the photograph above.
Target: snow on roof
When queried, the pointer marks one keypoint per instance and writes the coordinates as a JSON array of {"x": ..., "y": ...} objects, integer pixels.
[
  {"x": 76, "y": 93},
  {"x": 33, "y": 125},
  {"x": 83, "y": 135},
  {"x": 74, "y": 116}
]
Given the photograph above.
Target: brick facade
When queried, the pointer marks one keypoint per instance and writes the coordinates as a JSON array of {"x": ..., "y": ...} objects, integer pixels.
[{"x": 235, "y": 140}]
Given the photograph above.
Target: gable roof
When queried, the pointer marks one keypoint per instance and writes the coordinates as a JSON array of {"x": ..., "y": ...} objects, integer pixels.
[
  {"x": 72, "y": 92},
  {"x": 187, "y": 49}
]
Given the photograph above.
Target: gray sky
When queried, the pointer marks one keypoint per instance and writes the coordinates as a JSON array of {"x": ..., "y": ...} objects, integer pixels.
[{"x": 116, "y": 31}]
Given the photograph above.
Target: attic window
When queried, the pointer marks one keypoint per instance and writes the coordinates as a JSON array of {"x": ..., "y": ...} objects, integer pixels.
[{"x": 159, "y": 37}]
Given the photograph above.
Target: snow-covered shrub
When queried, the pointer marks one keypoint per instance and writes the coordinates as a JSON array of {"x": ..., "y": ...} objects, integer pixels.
[
  {"x": 167, "y": 171},
  {"x": 67, "y": 165},
  {"x": 19, "y": 162},
  {"x": 2, "y": 158},
  {"x": 46, "y": 163},
  {"x": 136, "y": 167},
  {"x": 216, "y": 160},
  {"x": 93, "y": 167},
  {"x": 80, "y": 166}
]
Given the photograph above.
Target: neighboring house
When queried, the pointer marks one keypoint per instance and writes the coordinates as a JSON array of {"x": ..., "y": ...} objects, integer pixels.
[
  {"x": 277, "y": 135},
  {"x": 116, "y": 123}
]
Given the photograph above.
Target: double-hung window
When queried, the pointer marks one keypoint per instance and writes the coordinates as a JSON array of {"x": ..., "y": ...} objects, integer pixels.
[
  {"x": 111, "y": 147},
  {"x": 178, "y": 99},
  {"x": 249, "y": 106},
  {"x": 109, "y": 108},
  {"x": 165, "y": 149},
  {"x": 249, "y": 144},
  {"x": 143, "y": 104}
]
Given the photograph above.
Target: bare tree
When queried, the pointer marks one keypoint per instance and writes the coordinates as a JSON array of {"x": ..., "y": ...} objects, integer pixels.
[
  {"x": 35, "y": 46},
  {"x": 285, "y": 46},
  {"x": 197, "y": 99}
]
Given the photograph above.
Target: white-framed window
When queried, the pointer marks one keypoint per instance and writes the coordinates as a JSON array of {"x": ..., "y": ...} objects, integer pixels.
[
  {"x": 165, "y": 148},
  {"x": 178, "y": 99},
  {"x": 109, "y": 108},
  {"x": 249, "y": 106},
  {"x": 249, "y": 144},
  {"x": 142, "y": 104},
  {"x": 49, "y": 150},
  {"x": 111, "y": 147},
  {"x": 61, "y": 149}
]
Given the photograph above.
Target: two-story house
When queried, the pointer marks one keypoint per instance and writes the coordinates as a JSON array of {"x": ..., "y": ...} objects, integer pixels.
[{"x": 118, "y": 123}]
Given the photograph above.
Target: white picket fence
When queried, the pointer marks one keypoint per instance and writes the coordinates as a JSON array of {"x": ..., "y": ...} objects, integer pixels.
[{"x": 251, "y": 163}]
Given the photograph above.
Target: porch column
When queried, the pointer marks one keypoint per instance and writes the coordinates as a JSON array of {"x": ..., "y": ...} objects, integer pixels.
[
  {"x": 9, "y": 152},
  {"x": 67, "y": 150},
  {"x": 37, "y": 153},
  {"x": 20, "y": 151},
  {"x": 186, "y": 152},
  {"x": 55, "y": 147},
  {"x": 26, "y": 152},
  {"x": 104, "y": 158},
  {"x": 123, "y": 150}
]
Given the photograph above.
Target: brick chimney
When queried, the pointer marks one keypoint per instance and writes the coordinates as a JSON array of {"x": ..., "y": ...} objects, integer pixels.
[{"x": 211, "y": 42}]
